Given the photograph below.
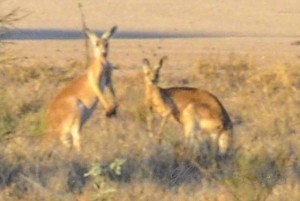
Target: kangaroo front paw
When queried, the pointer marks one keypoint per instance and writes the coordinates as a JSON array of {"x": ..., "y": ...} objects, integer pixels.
[{"x": 111, "y": 112}]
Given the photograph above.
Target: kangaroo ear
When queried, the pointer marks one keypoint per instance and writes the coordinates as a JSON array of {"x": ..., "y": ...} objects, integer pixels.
[
  {"x": 146, "y": 66},
  {"x": 161, "y": 61},
  {"x": 146, "y": 62},
  {"x": 91, "y": 35},
  {"x": 108, "y": 34}
]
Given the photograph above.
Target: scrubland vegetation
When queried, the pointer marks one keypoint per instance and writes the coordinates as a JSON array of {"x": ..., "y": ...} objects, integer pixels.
[{"x": 119, "y": 161}]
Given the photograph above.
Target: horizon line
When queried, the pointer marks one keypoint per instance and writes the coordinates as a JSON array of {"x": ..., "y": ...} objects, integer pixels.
[{"x": 72, "y": 34}]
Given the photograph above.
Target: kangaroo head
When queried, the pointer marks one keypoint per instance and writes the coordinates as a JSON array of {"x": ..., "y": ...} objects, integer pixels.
[
  {"x": 100, "y": 44},
  {"x": 152, "y": 73}
]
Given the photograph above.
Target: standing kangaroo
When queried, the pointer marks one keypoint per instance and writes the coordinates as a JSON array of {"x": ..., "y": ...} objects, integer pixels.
[
  {"x": 197, "y": 110},
  {"x": 74, "y": 104}
]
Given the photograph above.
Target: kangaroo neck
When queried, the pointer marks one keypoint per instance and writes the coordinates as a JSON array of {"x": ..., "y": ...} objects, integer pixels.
[
  {"x": 97, "y": 62},
  {"x": 152, "y": 90}
]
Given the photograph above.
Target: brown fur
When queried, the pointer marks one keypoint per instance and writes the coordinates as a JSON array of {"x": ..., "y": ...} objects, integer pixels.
[
  {"x": 74, "y": 104},
  {"x": 195, "y": 109}
]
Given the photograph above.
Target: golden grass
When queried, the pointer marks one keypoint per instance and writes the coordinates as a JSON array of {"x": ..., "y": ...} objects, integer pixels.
[{"x": 262, "y": 101}]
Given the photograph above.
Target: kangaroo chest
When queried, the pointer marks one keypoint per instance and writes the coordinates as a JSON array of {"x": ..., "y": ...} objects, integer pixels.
[
  {"x": 105, "y": 78},
  {"x": 162, "y": 104}
]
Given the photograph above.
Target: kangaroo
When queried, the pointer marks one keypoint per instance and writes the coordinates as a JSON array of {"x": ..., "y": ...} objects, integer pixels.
[
  {"x": 74, "y": 104},
  {"x": 197, "y": 110}
]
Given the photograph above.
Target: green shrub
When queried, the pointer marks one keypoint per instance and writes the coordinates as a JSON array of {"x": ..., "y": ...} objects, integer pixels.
[{"x": 8, "y": 121}]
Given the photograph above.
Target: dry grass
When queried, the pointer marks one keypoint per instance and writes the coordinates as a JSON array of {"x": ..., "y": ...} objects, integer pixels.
[{"x": 125, "y": 164}]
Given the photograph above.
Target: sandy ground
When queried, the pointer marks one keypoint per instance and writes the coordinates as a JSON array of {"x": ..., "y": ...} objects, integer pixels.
[{"x": 263, "y": 30}]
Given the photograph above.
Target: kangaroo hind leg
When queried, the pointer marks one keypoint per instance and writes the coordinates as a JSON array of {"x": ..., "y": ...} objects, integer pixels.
[
  {"x": 191, "y": 129},
  {"x": 225, "y": 143},
  {"x": 75, "y": 132}
]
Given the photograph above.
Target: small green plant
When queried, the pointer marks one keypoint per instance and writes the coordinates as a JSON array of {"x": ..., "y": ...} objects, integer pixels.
[
  {"x": 116, "y": 166},
  {"x": 39, "y": 125},
  {"x": 101, "y": 182},
  {"x": 8, "y": 122}
]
